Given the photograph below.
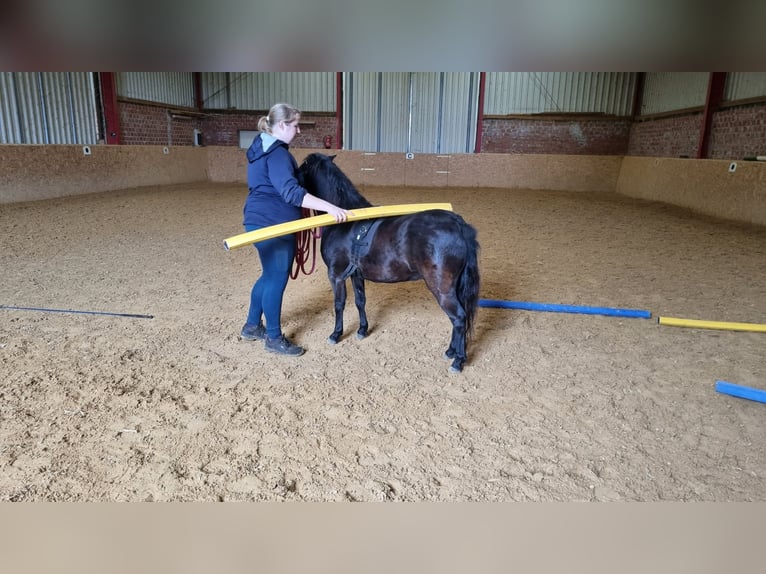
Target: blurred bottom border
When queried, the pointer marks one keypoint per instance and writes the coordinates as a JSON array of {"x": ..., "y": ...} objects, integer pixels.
[{"x": 376, "y": 537}]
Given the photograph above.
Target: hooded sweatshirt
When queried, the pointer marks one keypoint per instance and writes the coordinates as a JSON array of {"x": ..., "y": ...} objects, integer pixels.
[{"x": 275, "y": 195}]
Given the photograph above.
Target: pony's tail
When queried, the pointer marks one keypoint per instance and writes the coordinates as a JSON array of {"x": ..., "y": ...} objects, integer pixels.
[{"x": 469, "y": 281}]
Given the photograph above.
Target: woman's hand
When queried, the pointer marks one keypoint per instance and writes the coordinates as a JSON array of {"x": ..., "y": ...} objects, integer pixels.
[
  {"x": 313, "y": 202},
  {"x": 339, "y": 213}
]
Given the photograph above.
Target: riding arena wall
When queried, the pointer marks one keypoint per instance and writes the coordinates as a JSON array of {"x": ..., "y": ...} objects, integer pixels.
[{"x": 734, "y": 190}]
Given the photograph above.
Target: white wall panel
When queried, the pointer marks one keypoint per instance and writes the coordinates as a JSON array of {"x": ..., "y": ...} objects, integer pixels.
[
  {"x": 418, "y": 112},
  {"x": 744, "y": 85},
  {"x": 29, "y": 109},
  {"x": 172, "y": 88},
  {"x": 425, "y": 112},
  {"x": 58, "y": 107},
  {"x": 308, "y": 91},
  {"x": 670, "y": 91},
  {"x": 47, "y": 108},
  {"x": 215, "y": 89},
  {"x": 361, "y": 110},
  {"x": 460, "y": 112},
  {"x": 10, "y": 130},
  {"x": 393, "y": 124},
  {"x": 609, "y": 93}
]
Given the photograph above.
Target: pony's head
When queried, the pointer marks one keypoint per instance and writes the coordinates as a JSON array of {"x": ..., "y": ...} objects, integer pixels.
[{"x": 321, "y": 177}]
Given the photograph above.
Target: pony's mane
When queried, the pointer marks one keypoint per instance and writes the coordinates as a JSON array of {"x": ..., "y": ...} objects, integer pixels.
[{"x": 331, "y": 183}]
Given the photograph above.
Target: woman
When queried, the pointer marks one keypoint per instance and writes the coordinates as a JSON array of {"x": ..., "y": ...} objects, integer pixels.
[{"x": 275, "y": 197}]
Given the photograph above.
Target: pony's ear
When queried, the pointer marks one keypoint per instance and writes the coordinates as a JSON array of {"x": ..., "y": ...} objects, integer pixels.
[{"x": 332, "y": 157}]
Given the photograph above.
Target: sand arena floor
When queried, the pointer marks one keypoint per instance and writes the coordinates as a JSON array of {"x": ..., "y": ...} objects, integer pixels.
[{"x": 550, "y": 406}]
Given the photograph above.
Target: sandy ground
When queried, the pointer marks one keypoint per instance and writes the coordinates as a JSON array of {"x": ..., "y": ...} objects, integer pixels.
[{"x": 550, "y": 406}]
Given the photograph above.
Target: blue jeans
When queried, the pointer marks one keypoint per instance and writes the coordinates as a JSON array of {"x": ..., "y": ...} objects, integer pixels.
[{"x": 277, "y": 257}]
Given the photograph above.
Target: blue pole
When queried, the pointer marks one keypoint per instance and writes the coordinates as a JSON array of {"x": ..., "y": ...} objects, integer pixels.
[
  {"x": 741, "y": 391},
  {"x": 554, "y": 308},
  {"x": 73, "y": 311}
]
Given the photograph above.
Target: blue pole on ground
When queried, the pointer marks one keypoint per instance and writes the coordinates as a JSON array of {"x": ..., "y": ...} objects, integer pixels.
[
  {"x": 741, "y": 391},
  {"x": 555, "y": 308}
]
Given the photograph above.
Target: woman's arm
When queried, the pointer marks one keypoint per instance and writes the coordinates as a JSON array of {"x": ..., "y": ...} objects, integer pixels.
[
  {"x": 317, "y": 204},
  {"x": 281, "y": 167}
]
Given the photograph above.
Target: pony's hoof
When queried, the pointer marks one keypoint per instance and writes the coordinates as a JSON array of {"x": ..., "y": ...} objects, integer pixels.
[
  {"x": 332, "y": 339},
  {"x": 361, "y": 334}
]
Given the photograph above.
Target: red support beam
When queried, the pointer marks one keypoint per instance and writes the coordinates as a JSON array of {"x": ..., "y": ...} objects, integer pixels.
[
  {"x": 480, "y": 114},
  {"x": 638, "y": 94},
  {"x": 199, "y": 103},
  {"x": 339, "y": 110},
  {"x": 111, "y": 109},
  {"x": 715, "y": 91}
]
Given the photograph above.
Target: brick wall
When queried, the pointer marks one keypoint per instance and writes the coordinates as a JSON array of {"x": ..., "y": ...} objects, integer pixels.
[
  {"x": 555, "y": 136},
  {"x": 676, "y": 136},
  {"x": 146, "y": 124},
  {"x": 222, "y": 128},
  {"x": 737, "y": 132},
  {"x": 142, "y": 124}
]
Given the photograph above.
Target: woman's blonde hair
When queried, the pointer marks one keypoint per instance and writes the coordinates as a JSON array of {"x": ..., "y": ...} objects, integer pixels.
[{"x": 278, "y": 113}]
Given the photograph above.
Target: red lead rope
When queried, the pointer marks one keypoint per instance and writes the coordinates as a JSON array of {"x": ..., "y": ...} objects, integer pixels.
[{"x": 305, "y": 248}]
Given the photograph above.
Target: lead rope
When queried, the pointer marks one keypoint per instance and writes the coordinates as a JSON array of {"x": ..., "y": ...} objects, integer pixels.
[{"x": 305, "y": 247}]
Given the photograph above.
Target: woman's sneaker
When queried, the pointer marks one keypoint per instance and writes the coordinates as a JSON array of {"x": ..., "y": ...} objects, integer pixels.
[
  {"x": 283, "y": 346},
  {"x": 253, "y": 332}
]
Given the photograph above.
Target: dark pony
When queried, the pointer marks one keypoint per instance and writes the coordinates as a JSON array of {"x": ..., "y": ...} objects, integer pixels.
[{"x": 437, "y": 246}]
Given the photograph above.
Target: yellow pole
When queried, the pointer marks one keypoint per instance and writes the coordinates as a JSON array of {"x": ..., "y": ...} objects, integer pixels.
[
  {"x": 698, "y": 324},
  {"x": 325, "y": 219}
]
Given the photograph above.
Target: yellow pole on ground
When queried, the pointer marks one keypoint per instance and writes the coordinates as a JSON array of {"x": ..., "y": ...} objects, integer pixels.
[
  {"x": 698, "y": 324},
  {"x": 323, "y": 220}
]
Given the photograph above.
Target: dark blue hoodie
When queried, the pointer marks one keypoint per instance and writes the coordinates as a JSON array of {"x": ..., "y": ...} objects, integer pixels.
[{"x": 275, "y": 195}]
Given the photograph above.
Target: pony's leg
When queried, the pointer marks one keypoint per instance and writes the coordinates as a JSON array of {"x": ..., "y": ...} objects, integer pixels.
[
  {"x": 456, "y": 349},
  {"x": 450, "y": 304},
  {"x": 457, "y": 341},
  {"x": 339, "y": 291},
  {"x": 361, "y": 301}
]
